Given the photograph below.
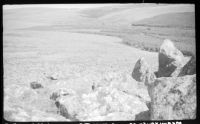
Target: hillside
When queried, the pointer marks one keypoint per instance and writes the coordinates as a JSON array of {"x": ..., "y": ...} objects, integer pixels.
[{"x": 179, "y": 20}]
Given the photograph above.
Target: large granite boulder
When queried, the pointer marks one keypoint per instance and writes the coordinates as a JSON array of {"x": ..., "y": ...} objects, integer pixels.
[
  {"x": 171, "y": 60},
  {"x": 173, "y": 98},
  {"x": 142, "y": 72},
  {"x": 189, "y": 68}
]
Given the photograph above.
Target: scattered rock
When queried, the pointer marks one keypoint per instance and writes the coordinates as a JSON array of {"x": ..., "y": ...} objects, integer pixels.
[
  {"x": 170, "y": 60},
  {"x": 35, "y": 85},
  {"x": 142, "y": 72},
  {"x": 54, "y": 76},
  {"x": 173, "y": 98},
  {"x": 189, "y": 68}
]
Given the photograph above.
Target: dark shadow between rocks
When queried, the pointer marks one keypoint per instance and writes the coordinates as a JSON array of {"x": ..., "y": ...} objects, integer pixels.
[
  {"x": 156, "y": 74},
  {"x": 145, "y": 115}
]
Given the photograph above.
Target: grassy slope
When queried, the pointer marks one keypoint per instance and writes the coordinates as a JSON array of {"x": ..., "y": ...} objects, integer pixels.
[
  {"x": 144, "y": 26},
  {"x": 180, "y": 27},
  {"x": 184, "y": 20},
  {"x": 147, "y": 28}
]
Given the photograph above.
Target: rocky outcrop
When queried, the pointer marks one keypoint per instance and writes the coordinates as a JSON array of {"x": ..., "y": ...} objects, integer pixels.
[
  {"x": 170, "y": 60},
  {"x": 142, "y": 72},
  {"x": 173, "y": 90},
  {"x": 173, "y": 98},
  {"x": 103, "y": 104},
  {"x": 189, "y": 68},
  {"x": 108, "y": 103}
]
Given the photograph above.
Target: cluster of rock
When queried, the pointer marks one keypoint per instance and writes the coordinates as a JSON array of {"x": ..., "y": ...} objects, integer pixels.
[
  {"x": 172, "y": 88},
  {"x": 105, "y": 103}
]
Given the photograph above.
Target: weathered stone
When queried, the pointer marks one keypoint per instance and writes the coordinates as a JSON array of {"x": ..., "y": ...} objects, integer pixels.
[
  {"x": 98, "y": 105},
  {"x": 69, "y": 106},
  {"x": 142, "y": 72},
  {"x": 18, "y": 114},
  {"x": 189, "y": 68},
  {"x": 35, "y": 85},
  {"x": 173, "y": 98},
  {"x": 106, "y": 100},
  {"x": 67, "y": 102},
  {"x": 170, "y": 60}
]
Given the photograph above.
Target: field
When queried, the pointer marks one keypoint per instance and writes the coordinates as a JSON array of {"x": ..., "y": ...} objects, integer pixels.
[{"x": 79, "y": 47}]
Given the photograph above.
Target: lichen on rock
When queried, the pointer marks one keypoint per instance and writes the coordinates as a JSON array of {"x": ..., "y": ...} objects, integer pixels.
[
  {"x": 173, "y": 98},
  {"x": 142, "y": 72}
]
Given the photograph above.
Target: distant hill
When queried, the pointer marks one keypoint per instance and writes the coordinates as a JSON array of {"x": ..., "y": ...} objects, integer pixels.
[
  {"x": 114, "y": 8},
  {"x": 102, "y": 17},
  {"x": 131, "y": 15},
  {"x": 182, "y": 20}
]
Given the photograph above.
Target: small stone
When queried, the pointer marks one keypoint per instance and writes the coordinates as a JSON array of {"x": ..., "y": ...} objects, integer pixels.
[
  {"x": 35, "y": 85},
  {"x": 54, "y": 76}
]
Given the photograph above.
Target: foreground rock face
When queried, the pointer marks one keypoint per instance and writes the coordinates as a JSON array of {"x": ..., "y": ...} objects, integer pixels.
[
  {"x": 170, "y": 60},
  {"x": 22, "y": 103},
  {"x": 173, "y": 98},
  {"x": 142, "y": 72},
  {"x": 105, "y": 103},
  {"x": 111, "y": 104},
  {"x": 189, "y": 68}
]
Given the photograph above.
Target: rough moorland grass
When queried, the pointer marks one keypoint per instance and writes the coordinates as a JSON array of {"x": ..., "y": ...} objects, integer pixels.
[
  {"x": 179, "y": 27},
  {"x": 152, "y": 41}
]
